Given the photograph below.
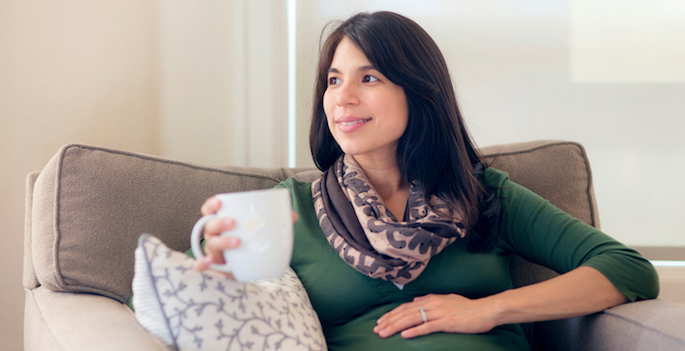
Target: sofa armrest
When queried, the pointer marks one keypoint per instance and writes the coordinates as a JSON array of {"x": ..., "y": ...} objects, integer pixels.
[
  {"x": 82, "y": 322},
  {"x": 645, "y": 325}
]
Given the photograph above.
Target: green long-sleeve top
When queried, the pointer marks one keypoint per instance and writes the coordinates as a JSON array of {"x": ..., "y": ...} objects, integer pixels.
[{"x": 348, "y": 303}]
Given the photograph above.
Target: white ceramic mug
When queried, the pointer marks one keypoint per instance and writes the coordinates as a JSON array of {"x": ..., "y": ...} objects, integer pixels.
[{"x": 263, "y": 222}]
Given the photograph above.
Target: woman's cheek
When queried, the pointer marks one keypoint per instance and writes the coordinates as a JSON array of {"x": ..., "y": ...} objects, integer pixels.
[
  {"x": 328, "y": 111},
  {"x": 327, "y": 106}
]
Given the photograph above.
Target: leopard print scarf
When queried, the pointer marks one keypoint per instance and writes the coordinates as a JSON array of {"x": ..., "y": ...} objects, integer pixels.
[{"x": 368, "y": 236}]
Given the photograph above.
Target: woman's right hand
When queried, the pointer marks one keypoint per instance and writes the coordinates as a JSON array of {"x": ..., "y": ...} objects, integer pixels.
[{"x": 215, "y": 244}]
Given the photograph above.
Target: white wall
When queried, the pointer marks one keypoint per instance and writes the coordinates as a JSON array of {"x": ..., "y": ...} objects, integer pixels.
[
  {"x": 222, "y": 72},
  {"x": 608, "y": 74}
]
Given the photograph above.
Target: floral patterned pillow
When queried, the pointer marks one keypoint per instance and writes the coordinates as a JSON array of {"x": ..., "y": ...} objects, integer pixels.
[{"x": 191, "y": 310}]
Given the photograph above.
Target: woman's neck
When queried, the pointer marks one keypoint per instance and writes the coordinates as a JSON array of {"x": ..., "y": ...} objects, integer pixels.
[{"x": 385, "y": 177}]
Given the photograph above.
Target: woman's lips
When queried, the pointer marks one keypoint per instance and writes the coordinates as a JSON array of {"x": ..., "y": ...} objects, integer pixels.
[{"x": 350, "y": 124}]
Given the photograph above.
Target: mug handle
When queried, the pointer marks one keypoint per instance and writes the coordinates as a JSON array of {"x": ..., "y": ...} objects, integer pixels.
[{"x": 197, "y": 249}]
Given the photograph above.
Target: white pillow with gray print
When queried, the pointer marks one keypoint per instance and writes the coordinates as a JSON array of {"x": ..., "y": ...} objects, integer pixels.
[{"x": 191, "y": 310}]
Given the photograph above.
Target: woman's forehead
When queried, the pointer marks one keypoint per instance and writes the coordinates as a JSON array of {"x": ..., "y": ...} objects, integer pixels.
[{"x": 347, "y": 54}]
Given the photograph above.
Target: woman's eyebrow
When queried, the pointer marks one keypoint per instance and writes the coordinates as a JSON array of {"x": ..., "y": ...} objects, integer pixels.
[{"x": 360, "y": 69}]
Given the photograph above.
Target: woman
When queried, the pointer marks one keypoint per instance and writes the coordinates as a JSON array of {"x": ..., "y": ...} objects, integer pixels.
[{"x": 406, "y": 233}]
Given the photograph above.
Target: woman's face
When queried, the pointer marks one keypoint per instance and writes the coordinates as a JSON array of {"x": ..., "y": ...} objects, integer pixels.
[{"x": 366, "y": 112}]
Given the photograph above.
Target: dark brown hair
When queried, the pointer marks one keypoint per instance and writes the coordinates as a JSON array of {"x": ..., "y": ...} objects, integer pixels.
[{"x": 436, "y": 149}]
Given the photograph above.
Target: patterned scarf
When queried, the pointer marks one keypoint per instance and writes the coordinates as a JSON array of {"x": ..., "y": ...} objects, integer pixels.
[{"x": 368, "y": 236}]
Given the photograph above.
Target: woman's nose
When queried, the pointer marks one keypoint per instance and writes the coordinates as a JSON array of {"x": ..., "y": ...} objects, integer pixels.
[{"x": 347, "y": 95}]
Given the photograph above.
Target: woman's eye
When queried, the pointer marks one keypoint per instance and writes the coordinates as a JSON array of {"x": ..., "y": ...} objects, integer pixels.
[
  {"x": 333, "y": 80},
  {"x": 368, "y": 79}
]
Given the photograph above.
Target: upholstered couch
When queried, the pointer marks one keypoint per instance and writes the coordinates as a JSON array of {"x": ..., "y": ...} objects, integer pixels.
[{"x": 87, "y": 208}]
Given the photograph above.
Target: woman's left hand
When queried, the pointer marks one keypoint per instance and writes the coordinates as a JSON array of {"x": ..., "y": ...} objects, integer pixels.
[{"x": 444, "y": 313}]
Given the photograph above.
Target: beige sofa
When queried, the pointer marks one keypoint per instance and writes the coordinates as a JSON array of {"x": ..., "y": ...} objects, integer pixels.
[{"x": 86, "y": 209}]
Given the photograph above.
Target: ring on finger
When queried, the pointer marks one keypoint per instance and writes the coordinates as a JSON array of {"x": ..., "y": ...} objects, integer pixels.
[{"x": 423, "y": 315}]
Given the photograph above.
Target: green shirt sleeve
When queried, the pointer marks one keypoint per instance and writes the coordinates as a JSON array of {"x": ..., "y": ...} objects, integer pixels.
[{"x": 540, "y": 232}]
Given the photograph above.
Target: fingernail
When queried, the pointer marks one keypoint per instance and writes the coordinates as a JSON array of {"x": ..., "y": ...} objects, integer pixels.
[
  {"x": 233, "y": 241},
  {"x": 227, "y": 222}
]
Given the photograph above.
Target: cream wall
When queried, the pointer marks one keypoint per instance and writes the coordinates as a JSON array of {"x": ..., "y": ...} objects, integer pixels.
[
  {"x": 158, "y": 77},
  {"x": 70, "y": 71}
]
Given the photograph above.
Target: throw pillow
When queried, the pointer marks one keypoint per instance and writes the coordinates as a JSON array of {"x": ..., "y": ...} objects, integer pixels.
[{"x": 191, "y": 310}]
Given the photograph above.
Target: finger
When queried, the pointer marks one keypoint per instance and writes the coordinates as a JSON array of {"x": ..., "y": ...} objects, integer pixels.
[
  {"x": 398, "y": 312},
  {"x": 421, "y": 329},
  {"x": 202, "y": 264},
  {"x": 294, "y": 216},
  {"x": 424, "y": 297},
  {"x": 398, "y": 322},
  {"x": 407, "y": 306},
  {"x": 399, "y": 325},
  {"x": 215, "y": 244},
  {"x": 217, "y": 226},
  {"x": 215, "y": 247},
  {"x": 211, "y": 205},
  {"x": 406, "y": 315}
]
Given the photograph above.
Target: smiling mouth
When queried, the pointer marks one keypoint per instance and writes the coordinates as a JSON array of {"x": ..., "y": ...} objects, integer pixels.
[{"x": 354, "y": 122}]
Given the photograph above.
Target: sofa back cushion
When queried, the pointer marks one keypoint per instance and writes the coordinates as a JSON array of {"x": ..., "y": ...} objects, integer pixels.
[
  {"x": 90, "y": 205},
  {"x": 559, "y": 172}
]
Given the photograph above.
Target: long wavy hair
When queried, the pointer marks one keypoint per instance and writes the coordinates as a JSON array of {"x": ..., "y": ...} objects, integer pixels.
[{"x": 436, "y": 149}]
